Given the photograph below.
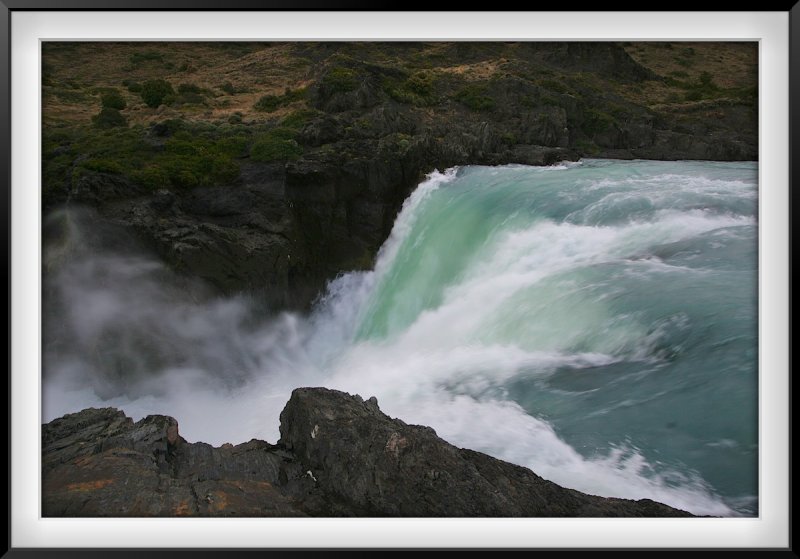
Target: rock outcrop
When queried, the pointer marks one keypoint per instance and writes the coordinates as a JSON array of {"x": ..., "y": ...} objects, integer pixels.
[
  {"x": 366, "y": 133},
  {"x": 338, "y": 456}
]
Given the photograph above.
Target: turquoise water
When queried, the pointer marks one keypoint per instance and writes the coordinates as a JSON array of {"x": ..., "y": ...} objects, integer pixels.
[
  {"x": 621, "y": 298},
  {"x": 596, "y": 322}
]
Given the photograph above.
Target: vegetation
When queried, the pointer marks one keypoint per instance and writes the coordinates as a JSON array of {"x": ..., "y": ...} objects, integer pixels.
[
  {"x": 113, "y": 99},
  {"x": 188, "y": 161},
  {"x": 476, "y": 97},
  {"x": 201, "y": 134},
  {"x": 138, "y": 58},
  {"x": 276, "y": 145},
  {"x": 418, "y": 89},
  {"x": 271, "y": 103},
  {"x": 109, "y": 118},
  {"x": 154, "y": 91},
  {"x": 340, "y": 79},
  {"x": 299, "y": 118},
  {"x": 596, "y": 121}
]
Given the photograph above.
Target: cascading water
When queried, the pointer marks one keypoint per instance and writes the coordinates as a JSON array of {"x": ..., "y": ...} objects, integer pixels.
[{"x": 596, "y": 322}]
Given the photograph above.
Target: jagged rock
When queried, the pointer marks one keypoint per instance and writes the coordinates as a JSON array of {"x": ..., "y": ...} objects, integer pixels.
[
  {"x": 101, "y": 463},
  {"x": 338, "y": 456},
  {"x": 393, "y": 469}
]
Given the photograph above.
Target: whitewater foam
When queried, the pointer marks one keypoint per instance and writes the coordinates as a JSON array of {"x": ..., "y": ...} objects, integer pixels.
[{"x": 493, "y": 283}]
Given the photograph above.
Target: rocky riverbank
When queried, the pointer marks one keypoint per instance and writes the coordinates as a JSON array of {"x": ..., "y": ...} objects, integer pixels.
[{"x": 338, "y": 455}]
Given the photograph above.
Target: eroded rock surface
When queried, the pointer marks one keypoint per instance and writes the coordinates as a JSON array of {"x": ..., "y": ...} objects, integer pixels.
[{"x": 339, "y": 455}]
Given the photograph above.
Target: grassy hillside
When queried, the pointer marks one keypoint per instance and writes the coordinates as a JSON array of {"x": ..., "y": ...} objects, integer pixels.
[{"x": 223, "y": 103}]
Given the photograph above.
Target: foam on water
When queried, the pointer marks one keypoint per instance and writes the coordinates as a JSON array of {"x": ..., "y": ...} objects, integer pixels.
[{"x": 580, "y": 320}]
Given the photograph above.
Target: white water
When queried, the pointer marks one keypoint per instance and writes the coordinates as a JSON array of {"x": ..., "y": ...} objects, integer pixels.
[{"x": 441, "y": 358}]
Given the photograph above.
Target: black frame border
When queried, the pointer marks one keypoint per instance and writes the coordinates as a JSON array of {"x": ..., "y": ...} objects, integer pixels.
[{"x": 7, "y": 7}]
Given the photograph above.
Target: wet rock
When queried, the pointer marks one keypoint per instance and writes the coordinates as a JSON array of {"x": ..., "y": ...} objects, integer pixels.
[
  {"x": 338, "y": 456},
  {"x": 393, "y": 469}
]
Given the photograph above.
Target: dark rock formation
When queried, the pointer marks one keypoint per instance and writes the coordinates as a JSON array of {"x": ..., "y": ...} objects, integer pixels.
[
  {"x": 284, "y": 228},
  {"x": 338, "y": 456}
]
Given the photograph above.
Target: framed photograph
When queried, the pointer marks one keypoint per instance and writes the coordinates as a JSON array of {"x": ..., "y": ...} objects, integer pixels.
[{"x": 399, "y": 279}]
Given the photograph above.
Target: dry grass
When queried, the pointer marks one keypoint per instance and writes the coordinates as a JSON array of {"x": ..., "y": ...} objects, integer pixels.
[
  {"x": 730, "y": 64},
  {"x": 238, "y": 75},
  {"x": 86, "y": 66}
]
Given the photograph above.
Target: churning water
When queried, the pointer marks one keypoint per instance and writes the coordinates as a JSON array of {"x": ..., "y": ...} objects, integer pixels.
[{"x": 596, "y": 322}]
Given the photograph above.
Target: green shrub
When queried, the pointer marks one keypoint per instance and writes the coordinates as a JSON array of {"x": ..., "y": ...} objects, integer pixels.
[
  {"x": 109, "y": 118},
  {"x": 694, "y": 95},
  {"x": 137, "y": 58},
  {"x": 476, "y": 98},
  {"x": 189, "y": 161},
  {"x": 706, "y": 80},
  {"x": 270, "y": 103},
  {"x": 276, "y": 145},
  {"x": 298, "y": 119},
  {"x": 153, "y": 177},
  {"x": 190, "y": 88},
  {"x": 421, "y": 83},
  {"x": 554, "y": 85},
  {"x": 154, "y": 91},
  {"x": 340, "y": 79},
  {"x": 167, "y": 127},
  {"x": 596, "y": 121},
  {"x": 418, "y": 89},
  {"x": 509, "y": 138},
  {"x": 103, "y": 166},
  {"x": 113, "y": 100},
  {"x": 185, "y": 99}
]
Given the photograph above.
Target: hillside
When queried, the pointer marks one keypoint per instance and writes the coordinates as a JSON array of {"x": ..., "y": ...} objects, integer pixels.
[{"x": 274, "y": 166}]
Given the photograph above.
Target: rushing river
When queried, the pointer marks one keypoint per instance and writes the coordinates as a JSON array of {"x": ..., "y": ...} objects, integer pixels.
[{"x": 594, "y": 321}]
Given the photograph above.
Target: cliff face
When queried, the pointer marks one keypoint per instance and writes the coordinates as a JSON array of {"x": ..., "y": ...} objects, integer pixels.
[
  {"x": 338, "y": 456},
  {"x": 294, "y": 168}
]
